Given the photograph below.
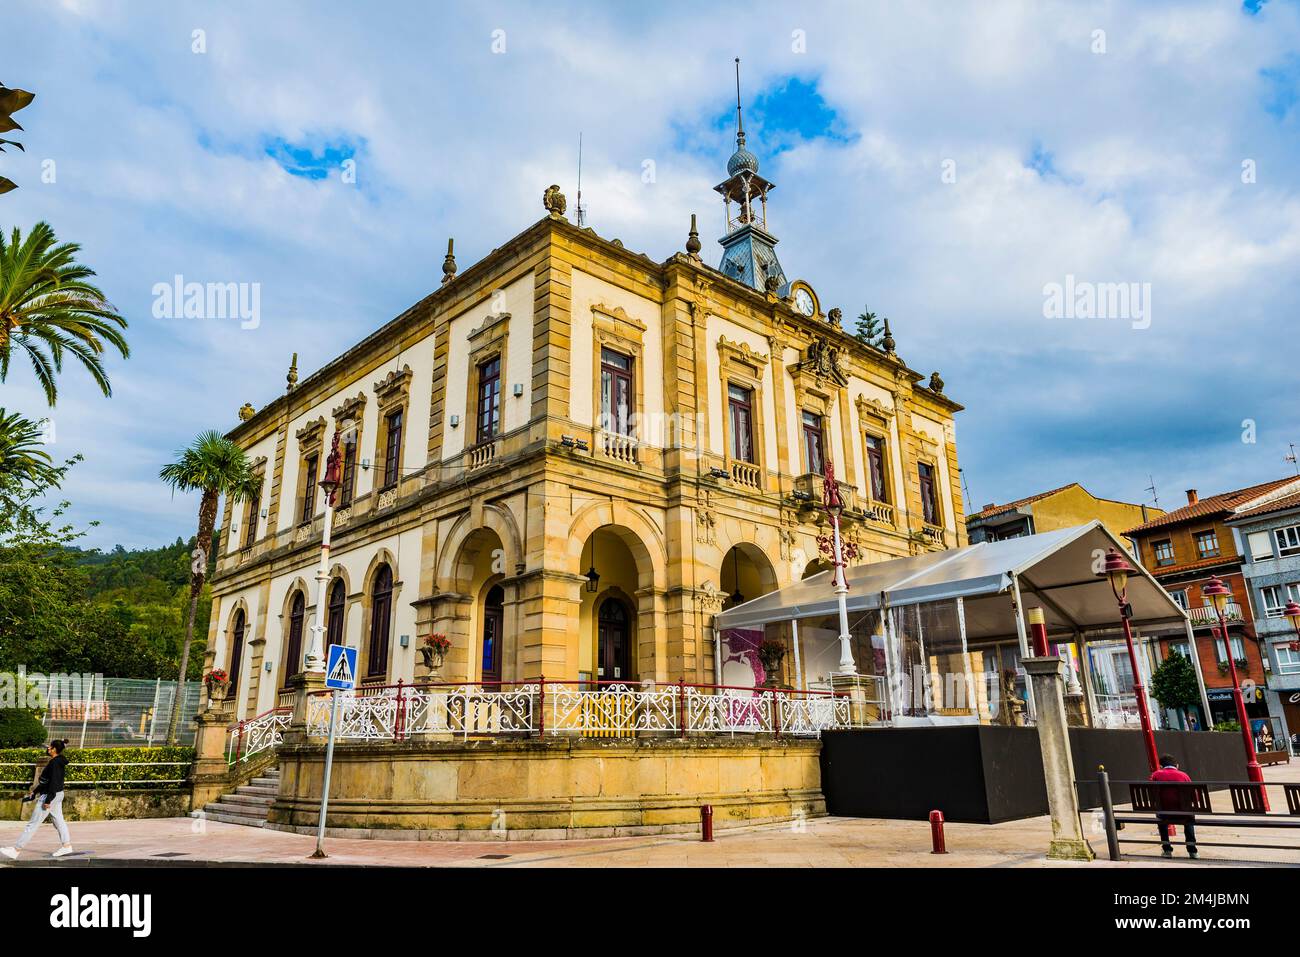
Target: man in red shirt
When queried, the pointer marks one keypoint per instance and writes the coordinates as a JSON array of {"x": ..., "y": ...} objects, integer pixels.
[{"x": 1175, "y": 801}]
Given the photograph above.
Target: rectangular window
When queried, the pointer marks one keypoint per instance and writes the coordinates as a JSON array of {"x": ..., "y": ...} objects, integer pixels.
[
  {"x": 1288, "y": 540},
  {"x": 1288, "y": 661},
  {"x": 392, "y": 449},
  {"x": 1164, "y": 552},
  {"x": 1180, "y": 648},
  {"x": 812, "y": 439},
  {"x": 1179, "y": 596},
  {"x": 1238, "y": 650},
  {"x": 876, "y": 468},
  {"x": 616, "y": 395},
  {"x": 348, "y": 485},
  {"x": 929, "y": 496},
  {"x": 250, "y": 520},
  {"x": 1275, "y": 597},
  {"x": 489, "y": 399},
  {"x": 741, "y": 404},
  {"x": 309, "y": 469},
  {"x": 1207, "y": 544}
]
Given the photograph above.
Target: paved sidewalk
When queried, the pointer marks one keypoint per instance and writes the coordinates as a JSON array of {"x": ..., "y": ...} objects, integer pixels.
[{"x": 821, "y": 842}]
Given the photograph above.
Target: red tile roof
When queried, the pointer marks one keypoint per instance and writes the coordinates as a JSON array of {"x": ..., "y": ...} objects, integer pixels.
[
  {"x": 1277, "y": 505},
  {"x": 1222, "y": 504}
]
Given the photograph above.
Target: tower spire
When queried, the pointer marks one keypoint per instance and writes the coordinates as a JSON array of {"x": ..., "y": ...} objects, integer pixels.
[{"x": 740, "y": 122}]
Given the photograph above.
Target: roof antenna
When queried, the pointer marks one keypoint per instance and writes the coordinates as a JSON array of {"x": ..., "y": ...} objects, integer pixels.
[
  {"x": 582, "y": 213},
  {"x": 965, "y": 489},
  {"x": 1292, "y": 458},
  {"x": 1152, "y": 489}
]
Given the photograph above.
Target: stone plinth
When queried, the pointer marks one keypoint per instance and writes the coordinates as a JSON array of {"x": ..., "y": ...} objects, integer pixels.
[{"x": 547, "y": 789}]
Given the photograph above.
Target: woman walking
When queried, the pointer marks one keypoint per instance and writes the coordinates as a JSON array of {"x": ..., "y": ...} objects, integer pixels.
[{"x": 49, "y": 803}]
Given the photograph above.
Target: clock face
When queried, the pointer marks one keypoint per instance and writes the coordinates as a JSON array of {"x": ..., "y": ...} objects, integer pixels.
[{"x": 803, "y": 301}]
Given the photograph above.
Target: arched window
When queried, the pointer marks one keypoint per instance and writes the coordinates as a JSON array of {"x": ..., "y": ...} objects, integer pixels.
[
  {"x": 236, "y": 647},
  {"x": 381, "y": 616},
  {"x": 334, "y": 624},
  {"x": 293, "y": 650}
]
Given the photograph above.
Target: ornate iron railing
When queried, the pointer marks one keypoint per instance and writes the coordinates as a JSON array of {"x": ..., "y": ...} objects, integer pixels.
[
  {"x": 255, "y": 735},
  {"x": 582, "y": 709}
]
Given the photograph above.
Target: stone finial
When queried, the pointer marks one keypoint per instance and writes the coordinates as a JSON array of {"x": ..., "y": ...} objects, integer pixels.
[
  {"x": 554, "y": 201},
  {"x": 693, "y": 246},
  {"x": 887, "y": 340},
  {"x": 834, "y": 316},
  {"x": 936, "y": 383},
  {"x": 292, "y": 377},
  {"x": 449, "y": 263},
  {"x": 246, "y": 412}
]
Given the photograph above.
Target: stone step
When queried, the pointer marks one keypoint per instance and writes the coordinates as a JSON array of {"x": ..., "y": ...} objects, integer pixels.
[
  {"x": 212, "y": 813},
  {"x": 248, "y": 800},
  {"x": 243, "y": 813},
  {"x": 265, "y": 782},
  {"x": 254, "y": 789}
]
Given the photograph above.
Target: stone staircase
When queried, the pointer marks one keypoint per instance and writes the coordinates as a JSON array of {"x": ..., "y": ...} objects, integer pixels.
[{"x": 248, "y": 803}]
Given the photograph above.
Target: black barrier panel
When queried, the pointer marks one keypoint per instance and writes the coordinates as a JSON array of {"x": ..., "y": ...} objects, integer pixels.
[{"x": 987, "y": 774}]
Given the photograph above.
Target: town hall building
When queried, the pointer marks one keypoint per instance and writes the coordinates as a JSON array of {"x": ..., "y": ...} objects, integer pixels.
[{"x": 569, "y": 458}]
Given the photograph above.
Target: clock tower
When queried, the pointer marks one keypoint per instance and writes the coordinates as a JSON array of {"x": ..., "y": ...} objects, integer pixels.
[{"x": 748, "y": 249}]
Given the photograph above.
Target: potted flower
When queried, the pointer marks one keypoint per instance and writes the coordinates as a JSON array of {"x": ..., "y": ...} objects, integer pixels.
[
  {"x": 434, "y": 648},
  {"x": 218, "y": 684},
  {"x": 771, "y": 654}
]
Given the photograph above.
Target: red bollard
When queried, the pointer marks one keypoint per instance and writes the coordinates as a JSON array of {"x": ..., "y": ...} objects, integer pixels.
[
  {"x": 706, "y": 823},
  {"x": 936, "y": 833}
]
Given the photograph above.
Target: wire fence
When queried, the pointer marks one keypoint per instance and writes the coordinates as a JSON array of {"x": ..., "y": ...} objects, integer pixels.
[{"x": 120, "y": 712}]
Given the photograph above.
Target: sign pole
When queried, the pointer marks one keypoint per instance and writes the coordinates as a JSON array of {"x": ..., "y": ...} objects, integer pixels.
[{"x": 325, "y": 784}]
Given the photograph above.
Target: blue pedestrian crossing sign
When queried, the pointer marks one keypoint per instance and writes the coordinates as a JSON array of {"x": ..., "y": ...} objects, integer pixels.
[{"x": 341, "y": 668}]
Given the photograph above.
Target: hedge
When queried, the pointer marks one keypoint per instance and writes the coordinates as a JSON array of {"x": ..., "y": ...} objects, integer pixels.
[
  {"x": 20, "y": 728},
  {"x": 103, "y": 767}
]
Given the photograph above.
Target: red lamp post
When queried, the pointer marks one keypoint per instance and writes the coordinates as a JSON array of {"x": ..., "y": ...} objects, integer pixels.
[
  {"x": 1292, "y": 612},
  {"x": 1117, "y": 570},
  {"x": 1218, "y": 593}
]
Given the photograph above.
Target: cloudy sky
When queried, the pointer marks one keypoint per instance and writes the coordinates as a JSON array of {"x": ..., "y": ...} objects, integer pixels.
[{"x": 942, "y": 163}]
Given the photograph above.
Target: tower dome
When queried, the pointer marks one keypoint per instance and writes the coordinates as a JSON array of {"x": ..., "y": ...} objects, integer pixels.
[{"x": 742, "y": 159}]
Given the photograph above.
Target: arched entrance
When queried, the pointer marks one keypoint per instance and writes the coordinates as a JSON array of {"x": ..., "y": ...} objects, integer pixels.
[
  {"x": 613, "y": 640},
  {"x": 745, "y": 574}
]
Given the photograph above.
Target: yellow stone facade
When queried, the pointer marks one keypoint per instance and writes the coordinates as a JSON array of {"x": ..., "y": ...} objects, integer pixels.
[{"x": 672, "y": 520}]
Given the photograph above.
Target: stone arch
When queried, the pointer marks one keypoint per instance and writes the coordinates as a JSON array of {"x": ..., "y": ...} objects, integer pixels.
[
  {"x": 494, "y": 518},
  {"x": 636, "y": 531},
  {"x": 382, "y": 557}
]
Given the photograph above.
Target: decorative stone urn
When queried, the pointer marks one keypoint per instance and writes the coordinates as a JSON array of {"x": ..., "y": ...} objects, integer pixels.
[
  {"x": 770, "y": 655},
  {"x": 433, "y": 660}
]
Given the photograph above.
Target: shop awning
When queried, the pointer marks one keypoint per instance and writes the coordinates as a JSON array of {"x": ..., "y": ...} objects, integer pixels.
[{"x": 1055, "y": 570}]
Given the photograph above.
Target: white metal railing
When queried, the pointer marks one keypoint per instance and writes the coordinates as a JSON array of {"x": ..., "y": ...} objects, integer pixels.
[
  {"x": 1206, "y": 615},
  {"x": 612, "y": 709},
  {"x": 256, "y": 735},
  {"x": 1117, "y": 711}
]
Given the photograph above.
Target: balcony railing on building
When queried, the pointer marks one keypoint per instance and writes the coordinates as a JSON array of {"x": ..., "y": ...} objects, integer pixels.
[
  {"x": 1206, "y": 615},
  {"x": 617, "y": 446},
  {"x": 485, "y": 453},
  {"x": 580, "y": 709},
  {"x": 746, "y": 474}
]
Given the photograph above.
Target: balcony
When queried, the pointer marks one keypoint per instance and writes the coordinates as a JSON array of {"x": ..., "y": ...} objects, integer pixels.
[
  {"x": 881, "y": 512},
  {"x": 933, "y": 534},
  {"x": 747, "y": 474},
  {"x": 482, "y": 455},
  {"x": 1205, "y": 616},
  {"x": 619, "y": 447}
]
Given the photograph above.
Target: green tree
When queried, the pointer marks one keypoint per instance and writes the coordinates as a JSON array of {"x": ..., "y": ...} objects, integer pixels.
[
  {"x": 22, "y": 453},
  {"x": 48, "y": 308},
  {"x": 212, "y": 466},
  {"x": 1174, "y": 683},
  {"x": 870, "y": 329}
]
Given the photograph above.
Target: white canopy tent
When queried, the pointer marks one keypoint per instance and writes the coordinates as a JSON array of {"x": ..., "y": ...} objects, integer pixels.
[{"x": 989, "y": 583}]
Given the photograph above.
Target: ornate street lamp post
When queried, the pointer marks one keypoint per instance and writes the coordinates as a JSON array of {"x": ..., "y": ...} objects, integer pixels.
[
  {"x": 315, "y": 660},
  {"x": 1292, "y": 612},
  {"x": 1219, "y": 593},
  {"x": 1117, "y": 570},
  {"x": 834, "y": 505}
]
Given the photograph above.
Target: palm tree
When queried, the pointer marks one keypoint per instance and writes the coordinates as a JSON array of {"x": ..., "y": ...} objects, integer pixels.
[
  {"x": 47, "y": 308},
  {"x": 213, "y": 466},
  {"x": 21, "y": 454}
]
